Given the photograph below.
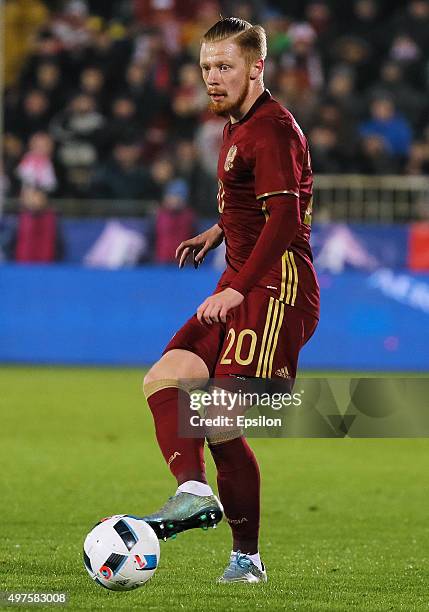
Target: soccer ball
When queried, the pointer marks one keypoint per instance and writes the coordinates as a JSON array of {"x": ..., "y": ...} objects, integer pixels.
[{"x": 121, "y": 552}]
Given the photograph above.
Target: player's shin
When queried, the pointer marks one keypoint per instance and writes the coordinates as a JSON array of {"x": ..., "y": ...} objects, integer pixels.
[
  {"x": 184, "y": 456},
  {"x": 239, "y": 491}
]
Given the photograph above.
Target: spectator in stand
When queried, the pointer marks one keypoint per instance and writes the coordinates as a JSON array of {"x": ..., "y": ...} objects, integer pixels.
[
  {"x": 358, "y": 55},
  {"x": 122, "y": 125},
  {"x": 202, "y": 188},
  {"x": 123, "y": 176},
  {"x": 161, "y": 172},
  {"x": 375, "y": 157},
  {"x": 110, "y": 55},
  {"x": 415, "y": 23},
  {"x": 75, "y": 31},
  {"x": 91, "y": 83},
  {"x": 70, "y": 26},
  {"x": 405, "y": 51},
  {"x": 392, "y": 127},
  {"x": 141, "y": 74},
  {"x": 326, "y": 155},
  {"x": 319, "y": 15},
  {"x": 341, "y": 91},
  {"x": 79, "y": 133},
  {"x": 408, "y": 100},
  {"x": 303, "y": 59},
  {"x": 206, "y": 13},
  {"x": 175, "y": 221},
  {"x": 156, "y": 142},
  {"x": 365, "y": 23},
  {"x": 38, "y": 238},
  {"x": 13, "y": 148},
  {"x": 34, "y": 116},
  {"x": 152, "y": 50},
  {"x": 136, "y": 83},
  {"x": 189, "y": 101},
  {"x": 302, "y": 102},
  {"x": 46, "y": 48},
  {"x": 208, "y": 140},
  {"x": 36, "y": 168},
  {"x": 276, "y": 26},
  {"x": 137, "y": 87},
  {"x": 418, "y": 163},
  {"x": 49, "y": 81},
  {"x": 329, "y": 116}
]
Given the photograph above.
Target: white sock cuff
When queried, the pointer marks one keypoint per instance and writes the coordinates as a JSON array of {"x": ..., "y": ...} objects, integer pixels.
[{"x": 195, "y": 487}]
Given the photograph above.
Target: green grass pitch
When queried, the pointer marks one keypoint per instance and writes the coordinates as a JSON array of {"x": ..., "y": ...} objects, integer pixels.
[{"x": 345, "y": 522}]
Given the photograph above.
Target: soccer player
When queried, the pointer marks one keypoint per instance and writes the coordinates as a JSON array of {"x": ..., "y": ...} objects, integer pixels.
[{"x": 265, "y": 306}]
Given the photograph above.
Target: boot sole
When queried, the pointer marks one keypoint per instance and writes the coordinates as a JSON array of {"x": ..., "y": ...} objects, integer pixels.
[{"x": 203, "y": 519}]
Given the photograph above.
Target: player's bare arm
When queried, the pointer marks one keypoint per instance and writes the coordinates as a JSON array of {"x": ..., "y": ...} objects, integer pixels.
[{"x": 199, "y": 245}]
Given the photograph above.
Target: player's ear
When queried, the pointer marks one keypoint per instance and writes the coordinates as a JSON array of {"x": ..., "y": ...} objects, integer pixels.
[{"x": 256, "y": 69}]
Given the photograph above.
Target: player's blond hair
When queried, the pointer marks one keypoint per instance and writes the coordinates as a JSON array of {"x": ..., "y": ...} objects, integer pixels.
[{"x": 252, "y": 39}]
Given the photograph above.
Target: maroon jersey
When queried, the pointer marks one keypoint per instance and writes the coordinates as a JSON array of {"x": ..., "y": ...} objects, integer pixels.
[{"x": 262, "y": 155}]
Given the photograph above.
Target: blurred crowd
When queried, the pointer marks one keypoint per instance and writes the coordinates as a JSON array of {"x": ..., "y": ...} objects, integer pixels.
[{"x": 107, "y": 101}]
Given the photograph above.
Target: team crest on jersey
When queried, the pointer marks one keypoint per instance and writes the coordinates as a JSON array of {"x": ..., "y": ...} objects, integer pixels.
[{"x": 230, "y": 156}]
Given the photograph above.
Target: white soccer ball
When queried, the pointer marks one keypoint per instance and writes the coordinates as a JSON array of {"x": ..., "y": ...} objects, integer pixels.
[{"x": 121, "y": 552}]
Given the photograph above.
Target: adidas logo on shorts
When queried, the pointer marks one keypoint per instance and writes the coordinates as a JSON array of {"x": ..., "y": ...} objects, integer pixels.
[{"x": 283, "y": 372}]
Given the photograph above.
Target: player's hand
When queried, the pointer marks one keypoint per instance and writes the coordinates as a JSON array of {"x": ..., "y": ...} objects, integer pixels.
[
  {"x": 199, "y": 245},
  {"x": 216, "y": 307}
]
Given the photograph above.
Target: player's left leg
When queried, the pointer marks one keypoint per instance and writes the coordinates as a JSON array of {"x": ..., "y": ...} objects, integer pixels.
[
  {"x": 238, "y": 482},
  {"x": 275, "y": 333}
]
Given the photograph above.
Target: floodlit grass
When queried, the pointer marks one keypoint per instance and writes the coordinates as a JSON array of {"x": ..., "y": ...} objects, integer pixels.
[{"x": 345, "y": 522}]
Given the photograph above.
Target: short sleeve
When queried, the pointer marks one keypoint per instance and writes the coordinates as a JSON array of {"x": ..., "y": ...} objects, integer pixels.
[{"x": 279, "y": 158}]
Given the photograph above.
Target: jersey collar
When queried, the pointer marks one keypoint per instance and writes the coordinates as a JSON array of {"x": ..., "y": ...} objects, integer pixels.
[{"x": 265, "y": 95}]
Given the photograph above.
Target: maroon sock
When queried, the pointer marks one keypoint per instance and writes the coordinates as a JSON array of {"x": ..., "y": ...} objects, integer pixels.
[
  {"x": 184, "y": 456},
  {"x": 239, "y": 487}
]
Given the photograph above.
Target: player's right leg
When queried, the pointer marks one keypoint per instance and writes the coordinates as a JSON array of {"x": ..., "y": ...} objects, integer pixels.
[{"x": 167, "y": 385}]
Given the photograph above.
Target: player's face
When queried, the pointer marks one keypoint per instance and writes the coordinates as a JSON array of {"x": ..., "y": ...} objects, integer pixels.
[{"x": 226, "y": 75}]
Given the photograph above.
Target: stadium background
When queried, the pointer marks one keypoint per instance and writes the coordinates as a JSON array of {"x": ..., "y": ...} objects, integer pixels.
[
  {"x": 108, "y": 160},
  {"x": 105, "y": 112}
]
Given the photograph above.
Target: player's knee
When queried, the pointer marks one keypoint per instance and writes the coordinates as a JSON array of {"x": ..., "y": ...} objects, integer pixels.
[
  {"x": 152, "y": 380},
  {"x": 176, "y": 369},
  {"x": 159, "y": 376},
  {"x": 149, "y": 378},
  {"x": 146, "y": 380}
]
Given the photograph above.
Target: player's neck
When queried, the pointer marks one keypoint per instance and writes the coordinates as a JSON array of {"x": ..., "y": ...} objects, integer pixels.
[{"x": 254, "y": 94}]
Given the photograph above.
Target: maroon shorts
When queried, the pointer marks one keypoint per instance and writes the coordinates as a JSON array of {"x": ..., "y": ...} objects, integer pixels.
[{"x": 261, "y": 338}]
